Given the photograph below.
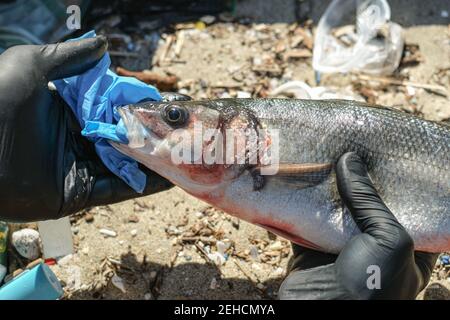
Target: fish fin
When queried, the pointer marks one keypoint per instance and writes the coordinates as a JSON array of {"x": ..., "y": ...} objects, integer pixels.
[{"x": 303, "y": 175}]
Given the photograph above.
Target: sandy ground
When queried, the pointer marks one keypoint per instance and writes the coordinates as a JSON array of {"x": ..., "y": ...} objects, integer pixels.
[{"x": 151, "y": 253}]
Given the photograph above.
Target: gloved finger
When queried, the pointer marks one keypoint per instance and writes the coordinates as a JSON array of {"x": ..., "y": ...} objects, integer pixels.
[
  {"x": 67, "y": 59},
  {"x": 370, "y": 213},
  {"x": 109, "y": 189},
  {"x": 425, "y": 262},
  {"x": 305, "y": 258},
  {"x": 319, "y": 283}
]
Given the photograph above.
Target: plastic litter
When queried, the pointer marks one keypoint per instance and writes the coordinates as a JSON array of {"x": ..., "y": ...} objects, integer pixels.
[
  {"x": 56, "y": 237},
  {"x": 372, "y": 44},
  {"x": 108, "y": 233},
  {"x": 38, "y": 283},
  {"x": 93, "y": 97},
  {"x": 217, "y": 258},
  {"x": 445, "y": 259},
  {"x": 301, "y": 90},
  {"x": 74, "y": 278},
  {"x": 118, "y": 283}
]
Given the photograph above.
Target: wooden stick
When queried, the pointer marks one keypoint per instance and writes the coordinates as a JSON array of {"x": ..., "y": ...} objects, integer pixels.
[{"x": 431, "y": 87}]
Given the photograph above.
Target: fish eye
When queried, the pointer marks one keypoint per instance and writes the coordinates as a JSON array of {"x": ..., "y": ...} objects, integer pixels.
[{"x": 175, "y": 115}]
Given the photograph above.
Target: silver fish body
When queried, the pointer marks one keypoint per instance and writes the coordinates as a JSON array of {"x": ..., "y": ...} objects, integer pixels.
[{"x": 408, "y": 159}]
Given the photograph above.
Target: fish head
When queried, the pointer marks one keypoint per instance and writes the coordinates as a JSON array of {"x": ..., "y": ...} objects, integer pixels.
[{"x": 188, "y": 142}]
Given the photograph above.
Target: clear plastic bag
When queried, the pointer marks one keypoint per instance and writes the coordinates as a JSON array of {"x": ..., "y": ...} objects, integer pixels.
[{"x": 356, "y": 35}]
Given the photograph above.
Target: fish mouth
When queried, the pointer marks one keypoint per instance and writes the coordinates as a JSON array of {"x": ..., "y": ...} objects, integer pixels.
[{"x": 139, "y": 136}]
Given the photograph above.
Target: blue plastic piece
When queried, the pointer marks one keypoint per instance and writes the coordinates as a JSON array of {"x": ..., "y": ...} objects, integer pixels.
[
  {"x": 39, "y": 283},
  {"x": 94, "y": 97},
  {"x": 445, "y": 259}
]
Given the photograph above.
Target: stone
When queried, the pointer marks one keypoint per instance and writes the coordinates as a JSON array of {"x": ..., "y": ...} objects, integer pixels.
[{"x": 27, "y": 243}]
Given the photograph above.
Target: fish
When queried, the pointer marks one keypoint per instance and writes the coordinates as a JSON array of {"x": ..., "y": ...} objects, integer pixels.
[{"x": 285, "y": 182}]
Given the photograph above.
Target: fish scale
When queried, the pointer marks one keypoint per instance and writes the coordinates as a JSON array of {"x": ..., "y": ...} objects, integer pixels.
[{"x": 408, "y": 159}]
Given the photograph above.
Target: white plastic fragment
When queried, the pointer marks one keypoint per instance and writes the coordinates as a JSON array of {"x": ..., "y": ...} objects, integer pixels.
[
  {"x": 278, "y": 272},
  {"x": 217, "y": 258},
  {"x": 213, "y": 284},
  {"x": 411, "y": 91},
  {"x": 118, "y": 283},
  {"x": 27, "y": 243},
  {"x": 222, "y": 246},
  {"x": 199, "y": 214},
  {"x": 108, "y": 233},
  {"x": 74, "y": 278},
  {"x": 277, "y": 245},
  {"x": 301, "y": 90},
  {"x": 243, "y": 94},
  {"x": 148, "y": 296},
  {"x": 65, "y": 260}
]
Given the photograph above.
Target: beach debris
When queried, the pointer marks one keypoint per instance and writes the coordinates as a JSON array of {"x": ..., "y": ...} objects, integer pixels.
[
  {"x": 217, "y": 258},
  {"x": 301, "y": 90},
  {"x": 133, "y": 218},
  {"x": 208, "y": 19},
  {"x": 56, "y": 237},
  {"x": 108, "y": 232},
  {"x": 372, "y": 45},
  {"x": 436, "y": 89},
  {"x": 74, "y": 278},
  {"x": 223, "y": 246},
  {"x": 65, "y": 260},
  {"x": 213, "y": 284},
  {"x": 37, "y": 283},
  {"x": 173, "y": 231},
  {"x": 445, "y": 259},
  {"x": 243, "y": 94},
  {"x": 27, "y": 243},
  {"x": 148, "y": 296},
  {"x": 118, "y": 283},
  {"x": 162, "y": 82},
  {"x": 411, "y": 55},
  {"x": 254, "y": 253},
  {"x": 88, "y": 217}
]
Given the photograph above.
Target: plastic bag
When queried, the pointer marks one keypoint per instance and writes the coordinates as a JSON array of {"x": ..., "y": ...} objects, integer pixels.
[{"x": 356, "y": 35}]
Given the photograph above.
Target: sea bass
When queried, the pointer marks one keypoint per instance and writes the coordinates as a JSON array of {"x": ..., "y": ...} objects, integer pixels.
[{"x": 408, "y": 159}]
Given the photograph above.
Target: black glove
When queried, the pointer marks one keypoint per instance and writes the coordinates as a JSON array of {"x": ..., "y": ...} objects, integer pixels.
[
  {"x": 47, "y": 169},
  {"x": 383, "y": 245}
]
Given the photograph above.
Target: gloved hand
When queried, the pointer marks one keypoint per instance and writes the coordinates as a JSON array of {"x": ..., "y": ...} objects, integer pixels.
[
  {"x": 47, "y": 169},
  {"x": 383, "y": 245}
]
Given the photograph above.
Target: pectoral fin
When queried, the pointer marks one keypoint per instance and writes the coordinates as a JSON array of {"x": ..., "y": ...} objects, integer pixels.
[{"x": 300, "y": 175}]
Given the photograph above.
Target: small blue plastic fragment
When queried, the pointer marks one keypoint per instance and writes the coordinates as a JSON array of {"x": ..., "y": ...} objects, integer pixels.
[{"x": 445, "y": 259}]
